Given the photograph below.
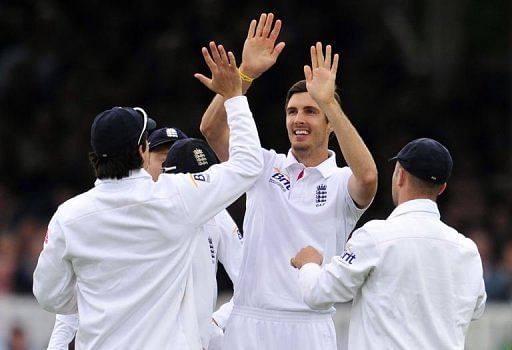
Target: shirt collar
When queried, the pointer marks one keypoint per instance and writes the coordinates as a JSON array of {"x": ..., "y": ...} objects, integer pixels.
[
  {"x": 326, "y": 168},
  {"x": 416, "y": 205},
  {"x": 133, "y": 174}
]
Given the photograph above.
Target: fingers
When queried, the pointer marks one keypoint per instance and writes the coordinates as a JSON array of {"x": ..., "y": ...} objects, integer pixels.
[
  {"x": 334, "y": 67},
  {"x": 314, "y": 57},
  {"x": 319, "y": 61},
  {"x": 308, "y": 74},
  {"x": 261, "y": 24},
  {"x": 215, "y": 52},
  {"x": 320, "y": 54},
  {"x": 252, "y": 29},
  {"x": 222, "y": 54},
  {"x": 231, "y": 59},
  {"x": 207, "y": 58},
  {"x": 327, "y": 63},
  {"x": 276, "y": 30},
  {"x": 268, "y": 25}
]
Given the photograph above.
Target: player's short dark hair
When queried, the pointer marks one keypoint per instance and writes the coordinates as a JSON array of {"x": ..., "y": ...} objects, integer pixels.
[
  {"x": 118, "y": 166},
  {"x": 300, "y": 87},
  {"x": 423, "y": 186}
]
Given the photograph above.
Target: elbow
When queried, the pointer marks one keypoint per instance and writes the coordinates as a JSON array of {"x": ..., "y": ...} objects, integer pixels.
[
  {"x": 315, "y": 303},
  {"x": 369, "y": 181},
  {"x": 257, "y": 164},
  {"x": 206, "y": 129},
  {"x": 43, "y": 299}
]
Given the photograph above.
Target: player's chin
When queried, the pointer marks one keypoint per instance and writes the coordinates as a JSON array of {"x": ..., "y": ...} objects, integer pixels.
[{"x": 300, "y": 146}]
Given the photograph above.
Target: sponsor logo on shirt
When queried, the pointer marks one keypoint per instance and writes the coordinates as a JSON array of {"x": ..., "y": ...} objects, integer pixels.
[
  {"x": 201, "y": 177},
  {"x": 347, "y": 255},
  {"x": 46, "y": 237},
  {"x": 321, "y": 195},
  {"x": 281, "y": 180}
]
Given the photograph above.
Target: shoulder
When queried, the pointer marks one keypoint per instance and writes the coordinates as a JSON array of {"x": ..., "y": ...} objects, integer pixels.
[
  {"x": 460, "y": 240},
  {"x": 76, "y": 206}
]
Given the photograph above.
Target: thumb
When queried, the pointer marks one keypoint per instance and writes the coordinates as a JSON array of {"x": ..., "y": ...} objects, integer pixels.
[
  {"x": 278, "y": 49},
  {"x": 206, "y": 81}
]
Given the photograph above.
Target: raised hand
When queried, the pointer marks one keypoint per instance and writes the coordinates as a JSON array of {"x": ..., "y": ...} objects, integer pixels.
[
  {"x": 321, "y": 75},
  {"x": 260, "y": 51},
  {"x": 225, "y": 78}
]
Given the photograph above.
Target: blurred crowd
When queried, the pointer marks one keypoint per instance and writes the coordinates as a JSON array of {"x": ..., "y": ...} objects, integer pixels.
[{"x": 409, "y": 69}]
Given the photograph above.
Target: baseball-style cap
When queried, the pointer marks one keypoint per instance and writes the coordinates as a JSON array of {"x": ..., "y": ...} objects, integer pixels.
[
  {"x": 426, "y": 159},
  {"x": 117, "y": 129},
  {"x": 163, "y": 136},
  {"x": 189, "y": 156}
]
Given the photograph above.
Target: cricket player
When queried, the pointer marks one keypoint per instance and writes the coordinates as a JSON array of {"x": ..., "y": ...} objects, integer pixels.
[
  {"x": 300, "y": 198},
  {"x": 415, "y": 281},
  {"x": 121, "y": 253}
]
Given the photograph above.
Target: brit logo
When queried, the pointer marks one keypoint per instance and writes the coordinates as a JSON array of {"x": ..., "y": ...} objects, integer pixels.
[
  {"x": 321, "y": 195},
  {"x": 281, "y": 180}
]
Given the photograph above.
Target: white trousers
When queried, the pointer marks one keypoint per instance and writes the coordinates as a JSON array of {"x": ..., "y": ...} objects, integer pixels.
[{"x": 259, "y": 329}]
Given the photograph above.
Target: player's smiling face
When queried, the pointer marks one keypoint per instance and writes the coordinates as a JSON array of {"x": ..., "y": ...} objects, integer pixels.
[{"x": 307, "y": 125}]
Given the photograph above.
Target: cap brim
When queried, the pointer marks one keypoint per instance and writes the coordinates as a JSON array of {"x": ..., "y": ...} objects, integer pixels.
[
  {"x": 392, "y": 159},
  {"x": 154, "y": 145}
]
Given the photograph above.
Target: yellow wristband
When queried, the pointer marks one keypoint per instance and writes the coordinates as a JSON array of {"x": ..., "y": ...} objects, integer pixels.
[{"x": 245, "y": 77}]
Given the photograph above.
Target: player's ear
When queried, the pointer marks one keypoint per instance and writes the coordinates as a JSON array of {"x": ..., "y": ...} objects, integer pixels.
[
  {"x": 441, "y": 190},
  {"x": 402, "y": 174}
]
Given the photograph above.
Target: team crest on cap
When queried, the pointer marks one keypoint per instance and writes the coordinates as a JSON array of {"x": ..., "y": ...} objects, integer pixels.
[
  {"x": 200, "y": 157},
  {"x": 171, "y": 132}
]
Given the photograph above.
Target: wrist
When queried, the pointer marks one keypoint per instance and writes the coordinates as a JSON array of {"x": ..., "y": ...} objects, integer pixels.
[{"x": 248, "y": 71}]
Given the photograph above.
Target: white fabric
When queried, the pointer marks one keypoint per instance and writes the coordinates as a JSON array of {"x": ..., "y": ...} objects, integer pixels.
[
  {"x": 282, "y": 216},
  {"x": 64, "y": 331},
  {"x": 127, "y": 247},
  {"x": 219, "y": 240},
  {"x": 256, "y": 329},
  {"x": 416, "y": 282}
]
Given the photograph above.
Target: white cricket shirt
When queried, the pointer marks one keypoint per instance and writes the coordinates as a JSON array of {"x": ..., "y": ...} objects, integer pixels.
[
  {"x": 219, "y": 240},
  {"x": 416, "y": 282},
  {"x": 282, "y": 216},
  {"x": 127, "y": 246}
]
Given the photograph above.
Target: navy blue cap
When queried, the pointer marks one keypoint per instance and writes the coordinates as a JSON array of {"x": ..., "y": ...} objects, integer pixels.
[
  {"x": 189, "y": 156},
  {"x": 426, "y": 159},
  {"x": 117, "y": 129},
  {"x": 164, "y": 136}
]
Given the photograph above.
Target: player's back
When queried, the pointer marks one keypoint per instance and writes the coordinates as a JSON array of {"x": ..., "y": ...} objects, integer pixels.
[
  {"x": 129, "y": 245},
  {"x": 425, "y": 287}
]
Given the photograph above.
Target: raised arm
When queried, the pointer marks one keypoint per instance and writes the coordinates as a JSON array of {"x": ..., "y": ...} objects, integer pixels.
[
  {"x": 320, "y": 82},
  {"x": 260, "y": 52},
  {"x": 203, "y": 195}
]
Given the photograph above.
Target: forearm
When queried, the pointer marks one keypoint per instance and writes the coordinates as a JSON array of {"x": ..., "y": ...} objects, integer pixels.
[
  {"x": 363, "y": 186},
  {"x": 354, "y": 150},
  {"x": 214, "y": 125}
]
